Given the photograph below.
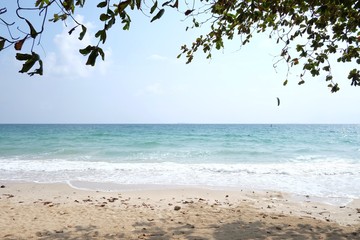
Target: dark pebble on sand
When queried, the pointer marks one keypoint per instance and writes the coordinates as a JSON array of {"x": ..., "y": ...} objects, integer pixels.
[
  {"x": 177, "y": 208},
  {"x": 2, "y": 186}
]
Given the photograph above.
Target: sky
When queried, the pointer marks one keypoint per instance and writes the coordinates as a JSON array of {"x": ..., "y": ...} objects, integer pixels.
[{"x": 142, "y": 81}]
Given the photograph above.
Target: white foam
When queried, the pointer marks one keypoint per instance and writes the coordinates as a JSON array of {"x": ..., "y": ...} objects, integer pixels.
[{"x": 331, "y": 178}]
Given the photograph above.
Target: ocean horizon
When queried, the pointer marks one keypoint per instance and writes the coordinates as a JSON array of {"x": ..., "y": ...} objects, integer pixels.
[{"x": 321, "y": 160}]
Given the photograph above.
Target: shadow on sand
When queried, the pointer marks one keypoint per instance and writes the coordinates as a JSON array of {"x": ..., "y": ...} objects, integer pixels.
[{"x": 234, "y": 230}]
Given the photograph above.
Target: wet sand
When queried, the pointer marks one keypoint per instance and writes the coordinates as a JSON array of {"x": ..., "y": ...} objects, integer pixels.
[{"x": 57, "y": 211}]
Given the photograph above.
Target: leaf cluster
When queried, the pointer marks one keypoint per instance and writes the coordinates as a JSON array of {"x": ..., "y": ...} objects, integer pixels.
[
  {"x": 113, "y": 11},
  {"x": 309, "y": 31},
  {"x": 33, "y": 33}
]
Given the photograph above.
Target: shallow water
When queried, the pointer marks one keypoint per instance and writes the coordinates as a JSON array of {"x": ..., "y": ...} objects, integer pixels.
[{"x": 317, "y": 160}]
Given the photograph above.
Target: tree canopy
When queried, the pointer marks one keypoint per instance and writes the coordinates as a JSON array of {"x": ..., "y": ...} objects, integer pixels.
[{"x": 313, "y": 34}]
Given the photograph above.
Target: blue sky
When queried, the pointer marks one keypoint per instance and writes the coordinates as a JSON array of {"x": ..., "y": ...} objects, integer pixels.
[{"x": 142, "y": 81}]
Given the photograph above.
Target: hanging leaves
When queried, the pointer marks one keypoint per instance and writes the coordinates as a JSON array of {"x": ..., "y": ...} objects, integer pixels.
[
  {"x": 69, "y": 5},
  {"x": 323, "y": 28},
  {"x": 123, "y": 5},
  {"x": 30, "y": 60},
  {"x": 83, "y": 32},
  {"x": 102, "y": 4},
  {"x": 93, "y": 52},
  {"x": 153, "y": 8},
  {"x": 158, "y": 15},
  {"x": 310, "y": 32},
  {"x": 101, "y": 34},
  {"x": 80, "y": 3}
]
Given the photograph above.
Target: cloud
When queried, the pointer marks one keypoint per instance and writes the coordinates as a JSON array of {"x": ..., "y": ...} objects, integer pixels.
[{"x": 65, "y": 59}]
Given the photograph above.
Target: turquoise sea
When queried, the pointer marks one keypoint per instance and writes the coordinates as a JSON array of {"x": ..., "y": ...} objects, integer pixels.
[{"x": 317, "y": 160}]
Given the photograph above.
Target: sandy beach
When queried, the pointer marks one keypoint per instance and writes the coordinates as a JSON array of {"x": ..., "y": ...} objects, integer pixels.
[{"x": 57, "y": 211}]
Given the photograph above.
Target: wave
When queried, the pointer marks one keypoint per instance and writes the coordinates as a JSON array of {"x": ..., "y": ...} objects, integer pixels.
[{"x": 341, "y": 179}]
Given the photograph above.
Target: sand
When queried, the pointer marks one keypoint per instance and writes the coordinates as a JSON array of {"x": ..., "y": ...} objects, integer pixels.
[{"x": 57, "y": 211}]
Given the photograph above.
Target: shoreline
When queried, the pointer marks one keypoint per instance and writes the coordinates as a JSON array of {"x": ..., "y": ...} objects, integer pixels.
[
  {"x": 35, "y": 210},
  {"x": 116, "y": 187}
]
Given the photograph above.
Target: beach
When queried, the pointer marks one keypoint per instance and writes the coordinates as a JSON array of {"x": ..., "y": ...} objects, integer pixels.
[
  {"x": 180, "y": 181},
  {"x": 58, "y": 211}
]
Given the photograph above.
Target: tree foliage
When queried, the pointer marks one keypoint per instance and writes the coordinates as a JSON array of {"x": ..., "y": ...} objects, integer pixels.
[{"x": 312, "y": 33}]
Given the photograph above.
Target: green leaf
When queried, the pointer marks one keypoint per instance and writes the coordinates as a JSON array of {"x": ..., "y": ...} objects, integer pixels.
[
  {"x": 123, "y": 5},
  {"x": 285, "y": 82},
  {"x": 138, "y": 4},
  {"x": 335, "y": 88},
  {"x": 82, "y": 34},
  {"x": 92, "y": 57},
  {"x": 110, "y": 12},
  {"x": 27, "y": 66},
  {"x": 39, "y": 3},
  {"x": 80, "y": 3},
  {"x": 104, "y": 17},
  {"x": 153, "y": 8},
  {"x": 23, "y": 56},
  {"x": 102, "y": 54},
  {"x": 132, "y": 4},
  {"x": 110, "y": 23},
  {"x": 86, "y": 51},
  {"x": 101, "y": 34},
  {"x": 326, "y": 68},
  {"x": 72, "y": 30},
  {"x": 33, "y": 32},
  {"x": 126, "y": 25},
  {"x": 102, "y": 4},
  {"x": 30, "y": 61},
  {"x": 68, "y": 5},
  {"x": 158, "y": 15},
  {"x": 98, "y": 33},
  {"x": 38, "y": 70},
  {"x": 328, "y": 78}
]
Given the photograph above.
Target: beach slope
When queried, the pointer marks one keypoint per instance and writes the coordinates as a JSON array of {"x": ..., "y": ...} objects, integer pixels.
[{"x": 57, "y": 211}]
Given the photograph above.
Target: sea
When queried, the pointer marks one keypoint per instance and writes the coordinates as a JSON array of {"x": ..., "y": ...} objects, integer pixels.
[{"x": 315, "y": 160}]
